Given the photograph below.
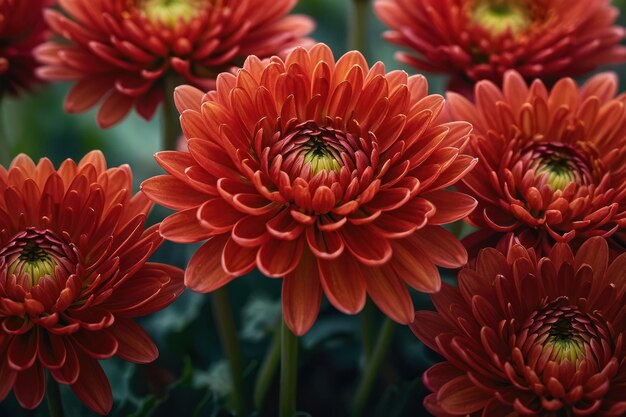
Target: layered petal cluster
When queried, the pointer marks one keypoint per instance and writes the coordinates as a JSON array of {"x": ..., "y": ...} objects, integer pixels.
[
  {"x": 22, "y": 28},
  {"x": 73, "y": 276},
  {"x": 530, "y": 336},
  {"x": 480, "y": 39},
  {"x": 120, "y": 52},
  {"x": 552, "y": 163},
  {"x": 328, "y": 173}
]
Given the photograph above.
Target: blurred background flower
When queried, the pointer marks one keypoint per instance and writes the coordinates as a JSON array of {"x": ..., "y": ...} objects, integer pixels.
[
  {"x": 124, "y": 54},
  {"x": 480, "y": 39},
  {"x": 73, "y": 276},
  {"x": 22, "y": 28},
  {"x": 529, "y": 336}
]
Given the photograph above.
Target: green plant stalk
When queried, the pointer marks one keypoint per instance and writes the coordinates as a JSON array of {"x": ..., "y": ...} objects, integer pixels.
[
  {"x": 230, "y": 345},
  {"x": 288, "y": 372},
  {"x": 170, "y": 119},
  {"x": 358, "y": 24},
  {"x": 372, "y": 368},
  {"x": 268, "y": 370},
  {"x": 53, "y": 394}
]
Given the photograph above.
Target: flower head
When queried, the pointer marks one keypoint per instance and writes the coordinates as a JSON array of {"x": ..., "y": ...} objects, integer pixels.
[
  {"x": 524, "y": 336},
  {"x": 120, "y": 52},
  {"x": 73, "y": 275},
  {"x": 551, "y": 162},
  {"x": 329, "y": 174},
  {"x": 22, "y": 28},
  {"x": 482, "y": 39}
]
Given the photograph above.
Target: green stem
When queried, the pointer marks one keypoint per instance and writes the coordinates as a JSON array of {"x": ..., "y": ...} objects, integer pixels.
[
  {"x": 359, "y": 26},
  {"x": 367, "y": 329},
  {"x": 55, "y": 405},
  {"x": 288, "y": 372},
  {"x": 170, "y": 119},
  {"x": 5, "y": 149},
  {"x": 231, "y": 347},
  {"x": 372, "y": 368},
  {"x": 267, "y": 371}
]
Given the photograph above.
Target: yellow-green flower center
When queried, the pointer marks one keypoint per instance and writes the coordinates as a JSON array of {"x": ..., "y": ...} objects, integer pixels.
[
  {"x": 559, "y": 165},
  {"x": 171, "y": 12},
  {"x": 320, "y": 158},
  {"x": 565, "y": 341},
  {"x": 498, "y": 16},
  {"x": 559, "y": 174},
  {"x": 33, "y": 261}
]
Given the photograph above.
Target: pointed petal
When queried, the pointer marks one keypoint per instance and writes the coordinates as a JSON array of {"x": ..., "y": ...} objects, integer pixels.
[
  {"x": 302, "y": 295},
  {"x": 389, "y": 293},
  {"x": 343, "y": 283},
  {"x": 92, "y": 386},
  {"x": 30, "y": 386},
  {"x": 204, "y": 272},
  {"x": 134, "y": 343}
]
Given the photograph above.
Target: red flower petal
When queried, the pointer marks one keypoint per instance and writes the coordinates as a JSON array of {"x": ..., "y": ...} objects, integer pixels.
[
  {"x": 134, "y": 343},
  {"x": 183, "y": 227},
  {"x": 451, "y": 206},
  {"x": 172, "y": 193},
  {"x": 204, "y": 272},
  {"x": 389, "y": 293},
  {"x": 276, "y": 258},
  {"x": 343, "y": 283},
  {"x": 364, "y": 244},
  {"x": 68, "y": 373},
  {"x": 92, "y": 386},
  {"x": 442, "y": 246},
  {"x": 22, "y": 351},
  {"x": 30, "y": 386},
  {"x": 460, "y": 396},
  {"x": 414, "y": 265},
  {"x": 302, "y": 295}
]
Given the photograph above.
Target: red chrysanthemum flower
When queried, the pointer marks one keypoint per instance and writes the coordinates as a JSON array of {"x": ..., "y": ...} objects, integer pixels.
[
  {"x": 329, "y": 174},
  {"x": 73, "y": 275},
  {"x": 524, "y": 336},
  {"x": 22, "y": 28},
  {"x": 481, "y": 39},
  {"x": 121, "y": 51},
  {"x": 552, "y": 164}
]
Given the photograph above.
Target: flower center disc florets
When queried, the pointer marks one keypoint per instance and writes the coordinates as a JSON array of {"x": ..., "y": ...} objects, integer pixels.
[
  {"x": 34, "y": 254},
  {"x": 310, "y": 150},
  {"x": 171, "y": 12},
  {"x": 559, "y": 164},
  {"x": 564, "y": 333},
  {"x": 498, "y": 16}
]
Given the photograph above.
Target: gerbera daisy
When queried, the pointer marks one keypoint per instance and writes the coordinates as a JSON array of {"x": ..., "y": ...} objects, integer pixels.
[
  {"x": 329, "y": 174},
  {"x": 481, "y": 39},
  {"x": 73, "y": 276},
  {"x": 123, "y": 53},
  {"x": 552, "y": 163},
  {"x": 530, "y": 336}
]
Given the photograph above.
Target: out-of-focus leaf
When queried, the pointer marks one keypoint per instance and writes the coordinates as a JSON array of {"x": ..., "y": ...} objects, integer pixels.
[{"x": 260, "y": 316}]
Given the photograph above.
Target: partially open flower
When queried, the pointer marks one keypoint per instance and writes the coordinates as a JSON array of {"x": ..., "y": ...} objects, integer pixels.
[
  {"x": 119, "y": 52},
  {"x": 73, "y": 275},
  {"x": 552, "y": 164},
  {"x": 329, "y": 174},
  {"x": 22, "y": 28},
  {"x": 524, "y": 336},
  {"x": 481, "y": 39}
]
